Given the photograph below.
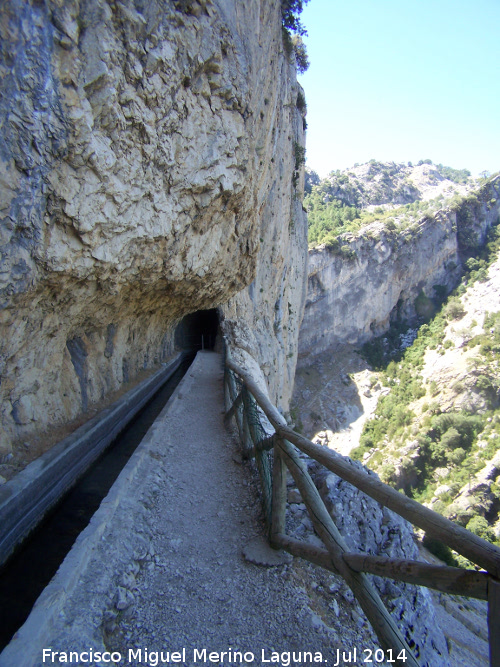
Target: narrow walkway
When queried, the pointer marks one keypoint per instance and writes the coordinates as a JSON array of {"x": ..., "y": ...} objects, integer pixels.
[
  {"x": 202, "y": 594},
  {"x": 160, "y": 567}
]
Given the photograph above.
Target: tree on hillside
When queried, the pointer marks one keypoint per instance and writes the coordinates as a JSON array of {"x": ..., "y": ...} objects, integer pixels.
[{"x": 455, "y": 175}]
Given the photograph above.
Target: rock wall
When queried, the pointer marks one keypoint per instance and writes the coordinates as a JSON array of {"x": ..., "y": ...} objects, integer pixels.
[
  {"x": 353, "y": 294},
  {"x": 146, "y": 172}
]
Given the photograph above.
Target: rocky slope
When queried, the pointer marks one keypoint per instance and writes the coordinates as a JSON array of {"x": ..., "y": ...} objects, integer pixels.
[
  {"x": 356, "y": 288},
  {"x": 455, "y": 466},
  {"x": 146, "y": 172},
  {"x": 336, "y": 391}
]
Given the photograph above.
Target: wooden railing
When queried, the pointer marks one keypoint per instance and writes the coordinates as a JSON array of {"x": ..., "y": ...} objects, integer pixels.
[{"x": 335, "y": 556}]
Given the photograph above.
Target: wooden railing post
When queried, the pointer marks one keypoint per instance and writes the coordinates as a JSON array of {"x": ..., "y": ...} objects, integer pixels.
[
  {"x": 279, "y": 496},
  {"x": 240, "y": 415},
  {"x": 233, "y": 394},
  {"x": 227, "y": 392},
  {"x": 234, "y": 407},
  {"x": 314, "y": 554},
  {"x": 494, "y": 621},
  {"x": 261, "y": 460},
  {"x": 381, "y": 621},
  {"x": 248, "y": 442}
]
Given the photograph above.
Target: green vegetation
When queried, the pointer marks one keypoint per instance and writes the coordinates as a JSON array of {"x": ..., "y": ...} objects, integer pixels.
[
  {"x": 300, "y": 158},
  {"x": 455, "y": 175},
  {"x": 290, "y": 15},
  {"x": 300, "y": 52},
  {"x": 293, "y": 31},
  {"x": 327, "y": 220},
  {"x": 338, "y": 203},
  {"x": 430, "y": 453},
  {"x": 301, "y": 102},
  {"x": 426, "y": 440}
]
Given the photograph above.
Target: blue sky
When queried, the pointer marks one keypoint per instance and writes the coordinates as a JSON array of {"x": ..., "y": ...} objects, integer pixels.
[{"x": 403, "y": 80}]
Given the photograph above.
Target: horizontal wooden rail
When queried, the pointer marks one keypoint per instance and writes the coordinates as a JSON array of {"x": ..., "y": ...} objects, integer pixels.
[
  {"x": 471, "y": 546},
  {"x": 266, "y": 444},
  {"x": 278, "y": 517},
  {"x": 316, "y": 555},
  {"x": 454, "y": 580}
]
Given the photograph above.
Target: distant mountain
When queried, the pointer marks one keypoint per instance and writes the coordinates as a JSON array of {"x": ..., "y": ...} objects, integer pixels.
[
  {"x": 388, "y": 184},
  {"x": 397, "y": 195}
]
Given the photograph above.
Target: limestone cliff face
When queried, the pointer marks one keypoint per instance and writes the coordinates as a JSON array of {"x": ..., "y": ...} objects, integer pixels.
[
  {"x": 145, "y": 173},
  {"x": 353, "y": 296}
]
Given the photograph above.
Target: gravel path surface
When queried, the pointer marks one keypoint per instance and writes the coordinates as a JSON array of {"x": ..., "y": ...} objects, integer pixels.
[
  {"x": 201, "y": 594},
  {"x": 160, "y": 567}
]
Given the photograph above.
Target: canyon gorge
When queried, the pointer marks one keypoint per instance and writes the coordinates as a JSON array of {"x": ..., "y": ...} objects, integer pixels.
[
  {"x": 152, "y": 169},
  {"x": 355, "y": 294}
]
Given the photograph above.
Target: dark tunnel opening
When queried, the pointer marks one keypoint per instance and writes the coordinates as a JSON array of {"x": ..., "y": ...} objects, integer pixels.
[{"x": 198, "y": 331}]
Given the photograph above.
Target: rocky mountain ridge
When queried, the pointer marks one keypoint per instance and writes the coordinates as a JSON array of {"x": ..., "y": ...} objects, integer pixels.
[
  {"x": 360, "y": 282},
  {"x": 388, "y": 184}
]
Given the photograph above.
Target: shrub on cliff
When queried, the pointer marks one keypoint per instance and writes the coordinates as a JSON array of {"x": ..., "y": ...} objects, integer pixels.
[
  {"x": 455, "y": 429},
  {"x": 455, "y": 175},
  {"x": 290, "y": 15},
  {"x": 290, "y": 19},
  {"x": 454, "y": 309},
  {"x": 300, "y": 52},
  {"x": 480, "y": 527}
]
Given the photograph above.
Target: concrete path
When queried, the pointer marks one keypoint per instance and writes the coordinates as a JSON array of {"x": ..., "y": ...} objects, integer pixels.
[{"x": 160, "y": 567}]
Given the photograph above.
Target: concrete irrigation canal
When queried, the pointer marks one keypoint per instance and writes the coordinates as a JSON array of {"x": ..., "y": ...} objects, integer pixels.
[{"x": 35, "y": 561}]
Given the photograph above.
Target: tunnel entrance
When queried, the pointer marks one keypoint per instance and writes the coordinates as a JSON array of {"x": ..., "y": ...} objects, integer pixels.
[{"x": 198, "y": 331}]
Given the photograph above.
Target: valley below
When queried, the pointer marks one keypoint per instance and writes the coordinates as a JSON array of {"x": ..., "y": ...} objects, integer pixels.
[
  {"x": 398, "y": 349},
  {"x": 337, "y": 394},
  {"x": 398, "y": 369},
  {"x": 336, "y": 391}
]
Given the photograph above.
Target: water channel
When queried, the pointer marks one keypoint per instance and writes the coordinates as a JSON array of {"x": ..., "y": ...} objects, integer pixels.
[{"x": 35, "y": 562}]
